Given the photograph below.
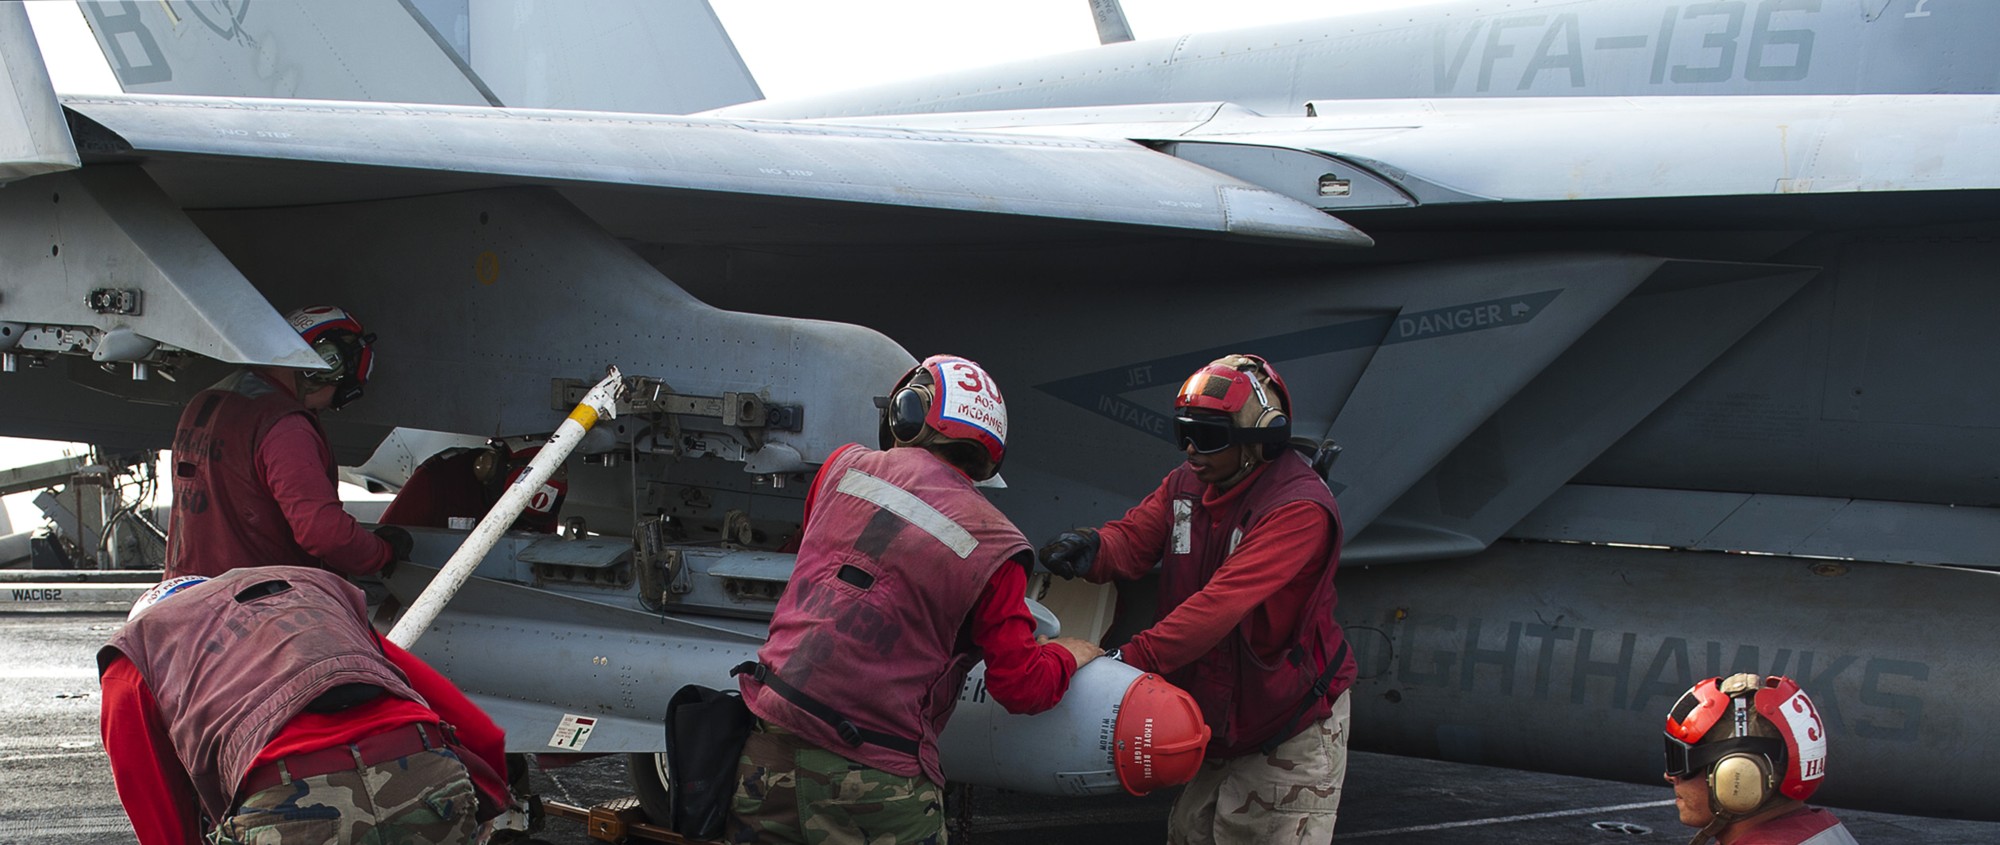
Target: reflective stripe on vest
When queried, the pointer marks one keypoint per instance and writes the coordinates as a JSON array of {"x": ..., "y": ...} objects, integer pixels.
[
  {"x": 913, "y": 510},
  {"x": 896, "y": 551}
]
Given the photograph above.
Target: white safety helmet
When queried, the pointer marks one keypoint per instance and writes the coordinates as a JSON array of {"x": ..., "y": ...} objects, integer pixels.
[{"x": 155, "y": 593}]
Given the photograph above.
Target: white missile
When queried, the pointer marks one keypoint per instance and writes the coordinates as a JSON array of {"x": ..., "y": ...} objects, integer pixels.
[
  {"x": 1116, "y": 728},
  {"x": 565, "y": 673}
]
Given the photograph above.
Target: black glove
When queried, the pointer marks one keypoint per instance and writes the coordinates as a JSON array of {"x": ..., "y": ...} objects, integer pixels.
[
  {"x": 1070, "y": 553},
  {"x": 398, "y": 539}
]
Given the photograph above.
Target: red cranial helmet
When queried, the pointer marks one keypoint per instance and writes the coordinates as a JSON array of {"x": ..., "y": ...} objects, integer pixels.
[
  {"x": 346, "y": 348},
  {"x": 1235, "y": 399},
  {"x": 1756, "y": 740},
  {"x": 949, "y": 399}
]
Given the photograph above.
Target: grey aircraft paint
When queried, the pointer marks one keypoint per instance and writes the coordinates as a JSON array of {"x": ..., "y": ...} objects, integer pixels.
[
  {"x": 1740, "y": 308},
  {"x": 1486, "y": 48}
]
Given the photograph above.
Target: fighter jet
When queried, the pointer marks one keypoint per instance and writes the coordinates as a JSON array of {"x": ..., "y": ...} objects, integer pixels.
[{"x": 1653, "y": 334}]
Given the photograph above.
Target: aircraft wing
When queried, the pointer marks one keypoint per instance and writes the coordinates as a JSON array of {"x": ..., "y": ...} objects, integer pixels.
[
  {"x": 1406, "y": 153},
  {"x": 34, "y": 139},
  {"x": 725, "y": 180}
]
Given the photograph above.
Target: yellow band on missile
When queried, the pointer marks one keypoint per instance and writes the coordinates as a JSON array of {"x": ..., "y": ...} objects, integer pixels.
[{"x": 585, "y": 416}]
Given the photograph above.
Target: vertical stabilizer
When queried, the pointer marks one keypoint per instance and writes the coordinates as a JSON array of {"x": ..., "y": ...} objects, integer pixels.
[
  {"x": 379, "y": 50},
  {"x": 1110, "y": 18},
  {"x": 651, "y": 56},
  {"x": 34, "y": 138}
]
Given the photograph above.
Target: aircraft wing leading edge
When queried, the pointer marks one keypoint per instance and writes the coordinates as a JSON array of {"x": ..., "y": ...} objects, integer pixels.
[
  {"x": 714, "y": 164},
  {"x": 34, "y": 137},
  {"x": 1555, "y": 149}
]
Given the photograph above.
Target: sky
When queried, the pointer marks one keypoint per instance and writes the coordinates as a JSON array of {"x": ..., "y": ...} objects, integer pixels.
[{"x": 803, "y": 47}]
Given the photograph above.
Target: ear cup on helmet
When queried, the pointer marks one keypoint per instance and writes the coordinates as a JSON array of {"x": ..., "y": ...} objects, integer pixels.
[
  {"x": 1279, "y": 428},
  {"x": 329, "y": 349},
  {"x": 908, "y": 408},
  {"x": 1740, "y": 783}
]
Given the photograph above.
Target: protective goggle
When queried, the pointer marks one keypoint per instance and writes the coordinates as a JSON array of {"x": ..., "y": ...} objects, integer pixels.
[
  {"x": 1206, "y": 435},
  {"x": 1687, "y": 761},
  {"x": 1681, "y": 759}
]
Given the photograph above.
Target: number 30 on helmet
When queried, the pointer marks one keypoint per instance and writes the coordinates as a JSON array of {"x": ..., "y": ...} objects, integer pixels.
[{"x": 949, "y": 400}]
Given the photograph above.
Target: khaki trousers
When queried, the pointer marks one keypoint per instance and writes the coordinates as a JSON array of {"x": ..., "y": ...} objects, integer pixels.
[{"x": 1290, "y": 795}]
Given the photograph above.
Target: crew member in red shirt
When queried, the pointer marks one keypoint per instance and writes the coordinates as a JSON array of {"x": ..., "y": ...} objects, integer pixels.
[
  {"x": 259, "y": 705},
  {"x": 254, "y": 481},
  {"x": 1743, "y": 753},
  {"x": 906, "y": 576},
  {"x": 1246, "y": 537}
]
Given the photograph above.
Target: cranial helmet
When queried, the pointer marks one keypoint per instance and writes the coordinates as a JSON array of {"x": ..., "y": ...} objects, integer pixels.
[
  {"x": 157, "y": 592},
  {"x": 948, "y": 399},
  {"x": 1235, "y": 399},
  {"x": 1756, "y": 740},
  {"x": 340, "y": 341}
]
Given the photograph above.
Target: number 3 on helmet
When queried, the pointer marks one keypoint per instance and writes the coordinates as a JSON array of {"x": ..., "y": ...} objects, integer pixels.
[
  {"x": 949, "y": 399},
  {"x": 1753, "y": 738}
]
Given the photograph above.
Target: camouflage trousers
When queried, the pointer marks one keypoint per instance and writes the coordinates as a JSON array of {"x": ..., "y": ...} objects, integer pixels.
[
  {"x": 790, "y": 790},
  {"x": 1290, "y": 795},
  {"x": 420, "y": 799}
]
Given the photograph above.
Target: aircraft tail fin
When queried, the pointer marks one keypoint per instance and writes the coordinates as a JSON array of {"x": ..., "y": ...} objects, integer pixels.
[
  {"x": 34, "y": 137},
  {"x": 353, "y": 50},
  {"x": 650, "y": 56},
  {"x": 668, "y": 57},
  {"x": 1111, "y": 25}
]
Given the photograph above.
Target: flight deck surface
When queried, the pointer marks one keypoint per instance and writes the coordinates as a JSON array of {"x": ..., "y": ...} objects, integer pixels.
[{"x": 55, "y": 784}]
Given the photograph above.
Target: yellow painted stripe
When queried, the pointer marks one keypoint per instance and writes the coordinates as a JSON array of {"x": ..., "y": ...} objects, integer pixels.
[{"x": 585, "y": 416}]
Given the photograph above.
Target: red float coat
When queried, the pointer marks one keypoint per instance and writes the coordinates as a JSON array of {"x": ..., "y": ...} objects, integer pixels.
[
  {"x": 1804, "y": 826},
  {"x": 1246, "y": 596},
  {"x": 164, "y": 796},
  {"x": 892, "y": 657},
  {"x": 254, "y": 486}
]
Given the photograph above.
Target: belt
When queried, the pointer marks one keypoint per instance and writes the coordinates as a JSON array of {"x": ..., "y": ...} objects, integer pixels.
[{"x": 387, "y": 746}]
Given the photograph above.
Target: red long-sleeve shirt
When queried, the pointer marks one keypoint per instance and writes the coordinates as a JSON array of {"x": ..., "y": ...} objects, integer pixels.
[
  {"x": 1263, "y": 584},
  {"x": 160, "y": 798},
  {"x": 289, "y": 462},
  {"x": 1022, "y": 676}
]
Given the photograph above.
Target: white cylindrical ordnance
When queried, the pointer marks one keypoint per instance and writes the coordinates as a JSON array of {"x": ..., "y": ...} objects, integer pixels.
[
  {"x": 1116, "y": 728},
  {"x": 601, "y": 401}
]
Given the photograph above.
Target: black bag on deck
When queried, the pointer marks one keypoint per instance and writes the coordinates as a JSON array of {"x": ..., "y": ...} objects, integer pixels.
[{"x": 706, "y": 730}]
